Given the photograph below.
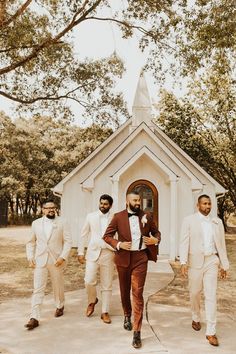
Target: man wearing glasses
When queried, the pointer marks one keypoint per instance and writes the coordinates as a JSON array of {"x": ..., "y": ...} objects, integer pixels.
[{"x": 47, "y": 251}]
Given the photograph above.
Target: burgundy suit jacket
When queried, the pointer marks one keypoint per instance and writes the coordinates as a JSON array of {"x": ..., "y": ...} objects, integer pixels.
[{"x": 120, "y": 225}]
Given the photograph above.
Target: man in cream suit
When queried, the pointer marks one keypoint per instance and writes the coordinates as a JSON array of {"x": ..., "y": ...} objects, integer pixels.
[
  {"x": 47, "y": 251},
  {"x": 99, "y": 256},
  {"x": 202, "y": 252}
]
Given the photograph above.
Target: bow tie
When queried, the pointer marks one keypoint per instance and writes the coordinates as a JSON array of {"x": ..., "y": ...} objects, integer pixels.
[{"x": 132, "y": 214}]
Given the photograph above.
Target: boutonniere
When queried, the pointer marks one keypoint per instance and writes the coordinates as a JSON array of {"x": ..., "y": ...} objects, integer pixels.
[
  {"x": 215, "y": 221},
  {"x": 144, "y": 220}
]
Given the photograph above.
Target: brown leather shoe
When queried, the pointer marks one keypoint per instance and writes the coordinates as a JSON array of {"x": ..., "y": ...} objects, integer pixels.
[
  {"x": 196, "y": 326},
  {"x": 33, "y": 323},
  {"x": 59, "y": 312},
  {"x": 90, "y": 308},
  {"x": 213, "y": 340},
  {"x": 105, "y": 317}
]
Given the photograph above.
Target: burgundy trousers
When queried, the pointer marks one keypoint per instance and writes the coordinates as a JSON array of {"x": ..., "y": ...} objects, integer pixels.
[{"x": 133, "y": 278}]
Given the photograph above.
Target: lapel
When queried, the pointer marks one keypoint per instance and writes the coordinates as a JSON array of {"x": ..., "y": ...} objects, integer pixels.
[
  {"x": 125, "y": 224},
  {"x": 110, "y": 217},
  {"x": 198, "y": 226},
  {"x": 54, "y": 227},
  {"x": 97, "y": 222},
  {"x": 41, "y": 228},
  {"x": 142, "y": 223},
  {"x": 215, "y": 228}
]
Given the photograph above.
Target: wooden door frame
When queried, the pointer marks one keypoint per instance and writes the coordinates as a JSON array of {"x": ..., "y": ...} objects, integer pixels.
[{"x": 155, "y": 195}]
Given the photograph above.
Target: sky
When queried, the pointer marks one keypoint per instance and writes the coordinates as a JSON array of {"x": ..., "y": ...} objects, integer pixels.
[{"x": 97, "y": 39}]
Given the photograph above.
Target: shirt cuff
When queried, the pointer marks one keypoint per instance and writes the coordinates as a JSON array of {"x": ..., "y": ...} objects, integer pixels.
[{"x": 118, "y": 245}]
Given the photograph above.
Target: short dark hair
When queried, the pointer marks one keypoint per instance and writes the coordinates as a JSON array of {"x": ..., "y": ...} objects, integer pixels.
[
  {"x": 49, "y": 201},
  {"x": 133, "y": 191},
  {"x": 106, "y": 197},
  {"x": 203, "y": 196}
]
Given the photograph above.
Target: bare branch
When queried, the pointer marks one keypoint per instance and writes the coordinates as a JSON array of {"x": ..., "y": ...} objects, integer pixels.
[
  {"x": 7, "y": 50},
  {"x": 17, "y": 14},
  {"x": 51, "y": 41},
  {"x": 45, "y": 98},
  {"x": 124, "y": 23},
  {"x": 132, "y": 26}
]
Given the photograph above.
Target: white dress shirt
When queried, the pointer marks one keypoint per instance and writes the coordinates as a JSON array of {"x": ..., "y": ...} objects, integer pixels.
[
  {"x": 135, "y": 233},
  {"x": 47, "y": 226},
  {"x": 208, "y": 237}
]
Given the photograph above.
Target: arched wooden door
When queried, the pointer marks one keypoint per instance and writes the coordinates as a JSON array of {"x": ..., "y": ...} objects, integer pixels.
[{"x": 149, "y": 196}]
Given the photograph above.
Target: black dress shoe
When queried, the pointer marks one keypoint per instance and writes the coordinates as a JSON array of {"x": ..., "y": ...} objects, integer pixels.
[
  {"x": 33, "y": 323},
  {"x": 137, "y": 340},
  {"x": 127, "y": 323}
]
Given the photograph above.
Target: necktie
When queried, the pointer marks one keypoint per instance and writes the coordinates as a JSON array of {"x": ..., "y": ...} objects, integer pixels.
[{"x": 132, "y": 214}]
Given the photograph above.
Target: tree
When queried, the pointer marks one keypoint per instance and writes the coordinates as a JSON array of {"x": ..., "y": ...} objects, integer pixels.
[
  {"x": 36, "y": 154},
  {"x": 195, "y": 38},
  {"x": 195, "y": 129},
  {"x": 39, "y": 66},
  {"x": 214, "y": 95}
]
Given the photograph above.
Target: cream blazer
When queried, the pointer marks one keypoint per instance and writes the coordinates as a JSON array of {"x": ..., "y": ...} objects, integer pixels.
[
  {"x": 91, "y": 235},
  {"x": 191, "y": 249},
  {"x": 43, "y": 249}
]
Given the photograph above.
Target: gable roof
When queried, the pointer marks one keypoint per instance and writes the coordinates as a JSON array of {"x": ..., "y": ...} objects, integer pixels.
[
  {"x": 141, "y": 120},
  {"x": 89, "y": 180}
]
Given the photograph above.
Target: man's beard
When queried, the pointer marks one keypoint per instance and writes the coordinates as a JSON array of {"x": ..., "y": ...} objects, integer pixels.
[
  {"x": 134, "y": 208},
  {"x": 51, "y": 216},
  {"x": 104, "y": 211}
]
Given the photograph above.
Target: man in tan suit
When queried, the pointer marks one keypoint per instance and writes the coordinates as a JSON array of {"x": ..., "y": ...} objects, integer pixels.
[
  {"x": 138, "y": 237},
  {"x": 99, "y": 257},
  {"x": 202, "y": 252},
  {"x": 47, "y": 251}
]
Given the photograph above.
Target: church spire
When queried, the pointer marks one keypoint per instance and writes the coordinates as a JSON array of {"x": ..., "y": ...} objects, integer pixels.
[{"x": 141, "y": 111}]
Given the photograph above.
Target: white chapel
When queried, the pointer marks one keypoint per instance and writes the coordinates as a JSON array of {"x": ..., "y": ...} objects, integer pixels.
[{"x": 138, "y": 155}]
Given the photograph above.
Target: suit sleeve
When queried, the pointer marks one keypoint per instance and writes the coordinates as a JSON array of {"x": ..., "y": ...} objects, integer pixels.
[
  {"x": 155, "y": 232},
  {"x": 184, "y": 242},
  {"x": 31, "y": 244},
  {"x": 223, "y": 245},
  {"x": 85, "y": 231},
  {"x": 110, "y": 232},
  {"x": 67, "y": 241}
]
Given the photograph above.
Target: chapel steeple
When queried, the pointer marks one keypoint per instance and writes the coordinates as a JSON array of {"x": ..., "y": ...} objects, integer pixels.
[{"x": 141, "y": 111}]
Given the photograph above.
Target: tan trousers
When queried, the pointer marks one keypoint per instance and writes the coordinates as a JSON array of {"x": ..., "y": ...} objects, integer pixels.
[
  {"x": 105, "y": 265},
  {"x": 204, "y": 279},
  {"x": 40, "y": 282}
]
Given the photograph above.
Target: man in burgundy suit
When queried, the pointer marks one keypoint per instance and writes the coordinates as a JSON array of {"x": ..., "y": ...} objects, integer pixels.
[{"x": 137, "y": 242}]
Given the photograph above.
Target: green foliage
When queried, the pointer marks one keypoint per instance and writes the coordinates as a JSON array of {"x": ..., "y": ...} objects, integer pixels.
[
  {"x": 203, "y": 125},
  {"x": 192, "y": 37},
  {"x": 36, "y": 154},
  {"x": 41, "y": 69}
]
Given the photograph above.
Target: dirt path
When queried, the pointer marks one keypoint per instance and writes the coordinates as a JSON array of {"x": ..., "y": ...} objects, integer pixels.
[{"x": 17, "y": 278}]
